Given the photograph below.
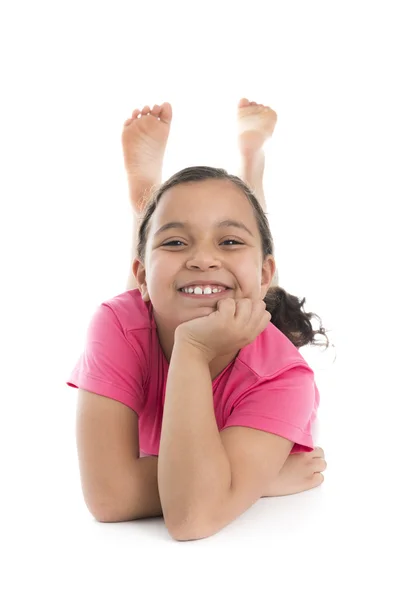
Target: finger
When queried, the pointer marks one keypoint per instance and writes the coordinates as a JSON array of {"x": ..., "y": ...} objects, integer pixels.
[
  {"x": 260, "y": 317},
  {"x": 244, "y": 311},
  {"x": 318, "y": 465},
  {"x": 256, "y": 321},
  {"x": 317, "y": 452},
  {"x": 317, "y": 479},
  {"x": 260, "y": 307},
  {"x": 227, "y": 306}
]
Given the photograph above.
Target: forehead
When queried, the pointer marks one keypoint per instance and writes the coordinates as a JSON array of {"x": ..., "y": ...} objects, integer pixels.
[{"x": 204, "y": 202}]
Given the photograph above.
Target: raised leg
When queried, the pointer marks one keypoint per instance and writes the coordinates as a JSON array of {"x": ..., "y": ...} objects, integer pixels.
[
  {"x": 256, "y": 124},
  {"x": 144, "y": 140}
]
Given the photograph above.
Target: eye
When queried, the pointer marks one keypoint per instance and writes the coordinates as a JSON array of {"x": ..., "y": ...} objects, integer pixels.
[
  {"x": 231, "y": 240},
  {"x": 180, "y": 242},
  {"x": 172, "y": 242}
]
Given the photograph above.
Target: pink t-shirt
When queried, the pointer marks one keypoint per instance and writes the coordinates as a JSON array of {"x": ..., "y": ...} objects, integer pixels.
[{"x": 268, "y": 386}]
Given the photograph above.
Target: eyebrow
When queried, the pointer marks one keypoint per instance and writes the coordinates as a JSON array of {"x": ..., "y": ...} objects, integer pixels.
[{"x": 183, "y": 225}]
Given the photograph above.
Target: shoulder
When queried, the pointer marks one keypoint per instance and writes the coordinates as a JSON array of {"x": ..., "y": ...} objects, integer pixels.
[
  {"x": 130, "y": 310},
  {"x": 270, "y": 354}
]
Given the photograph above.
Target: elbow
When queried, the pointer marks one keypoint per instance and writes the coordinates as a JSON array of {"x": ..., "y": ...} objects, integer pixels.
[
  {"x": 111, "y": 503},
  {"x": 192, "y": 523},
  {"x": 108, "y": 515},
  {"x": 108, "y": 512},
  {"x": 176, "y": 531},
  {"x": 184, "y": 522},
  {"x": 186, "y": 533},
  {"x": 178, "y": 528},
  {"x": 187, "y": 529},
  {"x": 102, "y": 512},
  {"x": 105, "y": 517},
  {"x": 179, "y": 534}
]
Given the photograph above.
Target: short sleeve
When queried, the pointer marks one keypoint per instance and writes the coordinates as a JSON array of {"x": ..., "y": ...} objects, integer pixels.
[
  {"x": 110, "y": 365},
  {"x": 285, "y": 406}
]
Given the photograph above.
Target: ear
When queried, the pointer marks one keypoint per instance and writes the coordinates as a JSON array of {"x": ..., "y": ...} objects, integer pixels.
[
  {"x": 267, "y": 274},
  {"x": 140, "y": 275}
]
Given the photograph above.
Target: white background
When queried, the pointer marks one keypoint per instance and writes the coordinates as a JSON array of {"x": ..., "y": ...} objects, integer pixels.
[{"x": 71, "y": 73}]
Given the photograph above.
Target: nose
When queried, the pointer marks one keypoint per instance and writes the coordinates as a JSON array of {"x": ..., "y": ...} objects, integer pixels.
[{"x": 203, "y": 260}]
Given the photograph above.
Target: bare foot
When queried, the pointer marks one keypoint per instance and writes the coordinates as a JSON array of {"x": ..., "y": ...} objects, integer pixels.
[
  {"x": 256, "y": 123},
  {"x": 144, "y": 139}
]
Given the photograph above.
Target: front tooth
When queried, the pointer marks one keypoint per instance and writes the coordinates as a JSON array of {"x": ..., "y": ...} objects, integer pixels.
[
  {"x": 207, "y": 290},
  {"x": 198, "y": 290}
]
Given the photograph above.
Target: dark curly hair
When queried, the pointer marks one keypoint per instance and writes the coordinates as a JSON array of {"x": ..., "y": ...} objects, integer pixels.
[{"x": 286, "y": 310}]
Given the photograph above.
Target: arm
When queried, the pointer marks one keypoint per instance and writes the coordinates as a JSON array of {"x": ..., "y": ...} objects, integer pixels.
[
  {"x": 140, "y": 493},
  {"x": 117, "y": 484},
  {"x": 206, "y": 478},
  {"x": 295, "y": 477},
  {"x": 193, "y": 469},
  {"x": 148, "y": 503}
]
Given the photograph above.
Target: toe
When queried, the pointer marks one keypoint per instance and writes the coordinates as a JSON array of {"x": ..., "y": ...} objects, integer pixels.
[
  {"x": 145, "y": 110},
  {"x": 135, "y": 113},
  {"x": 155, "y": 111},
  {"x": 128, "y": 122},
  {"x": 166, "y": 112},
  {"x": 243, "y": 102}
]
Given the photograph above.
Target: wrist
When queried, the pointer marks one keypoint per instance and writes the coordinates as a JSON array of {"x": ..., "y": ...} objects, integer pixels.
[{"x": 187, "y": 347}]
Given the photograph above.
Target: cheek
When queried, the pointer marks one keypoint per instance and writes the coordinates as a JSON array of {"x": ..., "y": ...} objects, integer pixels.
[
  {"x": 249, "y": 272},
  {"x": 249, "y": 278},
  {"x": 160, "y": 274}
]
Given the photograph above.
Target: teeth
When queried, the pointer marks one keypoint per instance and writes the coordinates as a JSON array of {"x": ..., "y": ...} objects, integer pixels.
[{"x": 200, "y": 291}]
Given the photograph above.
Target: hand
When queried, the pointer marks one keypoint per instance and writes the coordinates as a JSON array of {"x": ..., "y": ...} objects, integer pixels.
[
  {"x": 300, "y": 472},
  {"x": 232, "y": 326}
]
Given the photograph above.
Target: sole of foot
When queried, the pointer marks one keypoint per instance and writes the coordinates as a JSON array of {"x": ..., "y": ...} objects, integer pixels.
[
  {"x": 144, "y": 140},
  {"x": 256, "y": 124}
]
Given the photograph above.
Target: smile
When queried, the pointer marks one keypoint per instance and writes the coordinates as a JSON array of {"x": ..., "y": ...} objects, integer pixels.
[{"x": 201, "y": 296}]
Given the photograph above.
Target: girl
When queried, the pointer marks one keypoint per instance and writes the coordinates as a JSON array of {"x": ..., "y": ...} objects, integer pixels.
[{"x": 193, "y": 400}]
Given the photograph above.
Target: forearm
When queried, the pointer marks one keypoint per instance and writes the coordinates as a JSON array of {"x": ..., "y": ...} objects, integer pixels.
[
  {"x": 139, "y": 497},
  {"x": 148, "y": 502},
  {"x": 194, "y": 474}
]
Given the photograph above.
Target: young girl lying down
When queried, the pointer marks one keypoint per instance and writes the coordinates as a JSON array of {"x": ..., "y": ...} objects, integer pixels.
[{"x": 194, "y": 401}]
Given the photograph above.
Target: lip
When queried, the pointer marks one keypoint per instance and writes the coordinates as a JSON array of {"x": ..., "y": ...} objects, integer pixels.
[
  {"x": 205, "y": 296},
  {"x": 191, "y": 283}
]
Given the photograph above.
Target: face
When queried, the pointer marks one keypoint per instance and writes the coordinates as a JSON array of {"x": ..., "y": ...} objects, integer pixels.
[{"x": 201, "y": 251}]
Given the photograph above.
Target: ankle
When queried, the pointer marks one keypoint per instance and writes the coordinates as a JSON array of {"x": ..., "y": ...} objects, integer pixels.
[
  {"x": 252, "y": 168},
  {"x": 140, "y": 192}
]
